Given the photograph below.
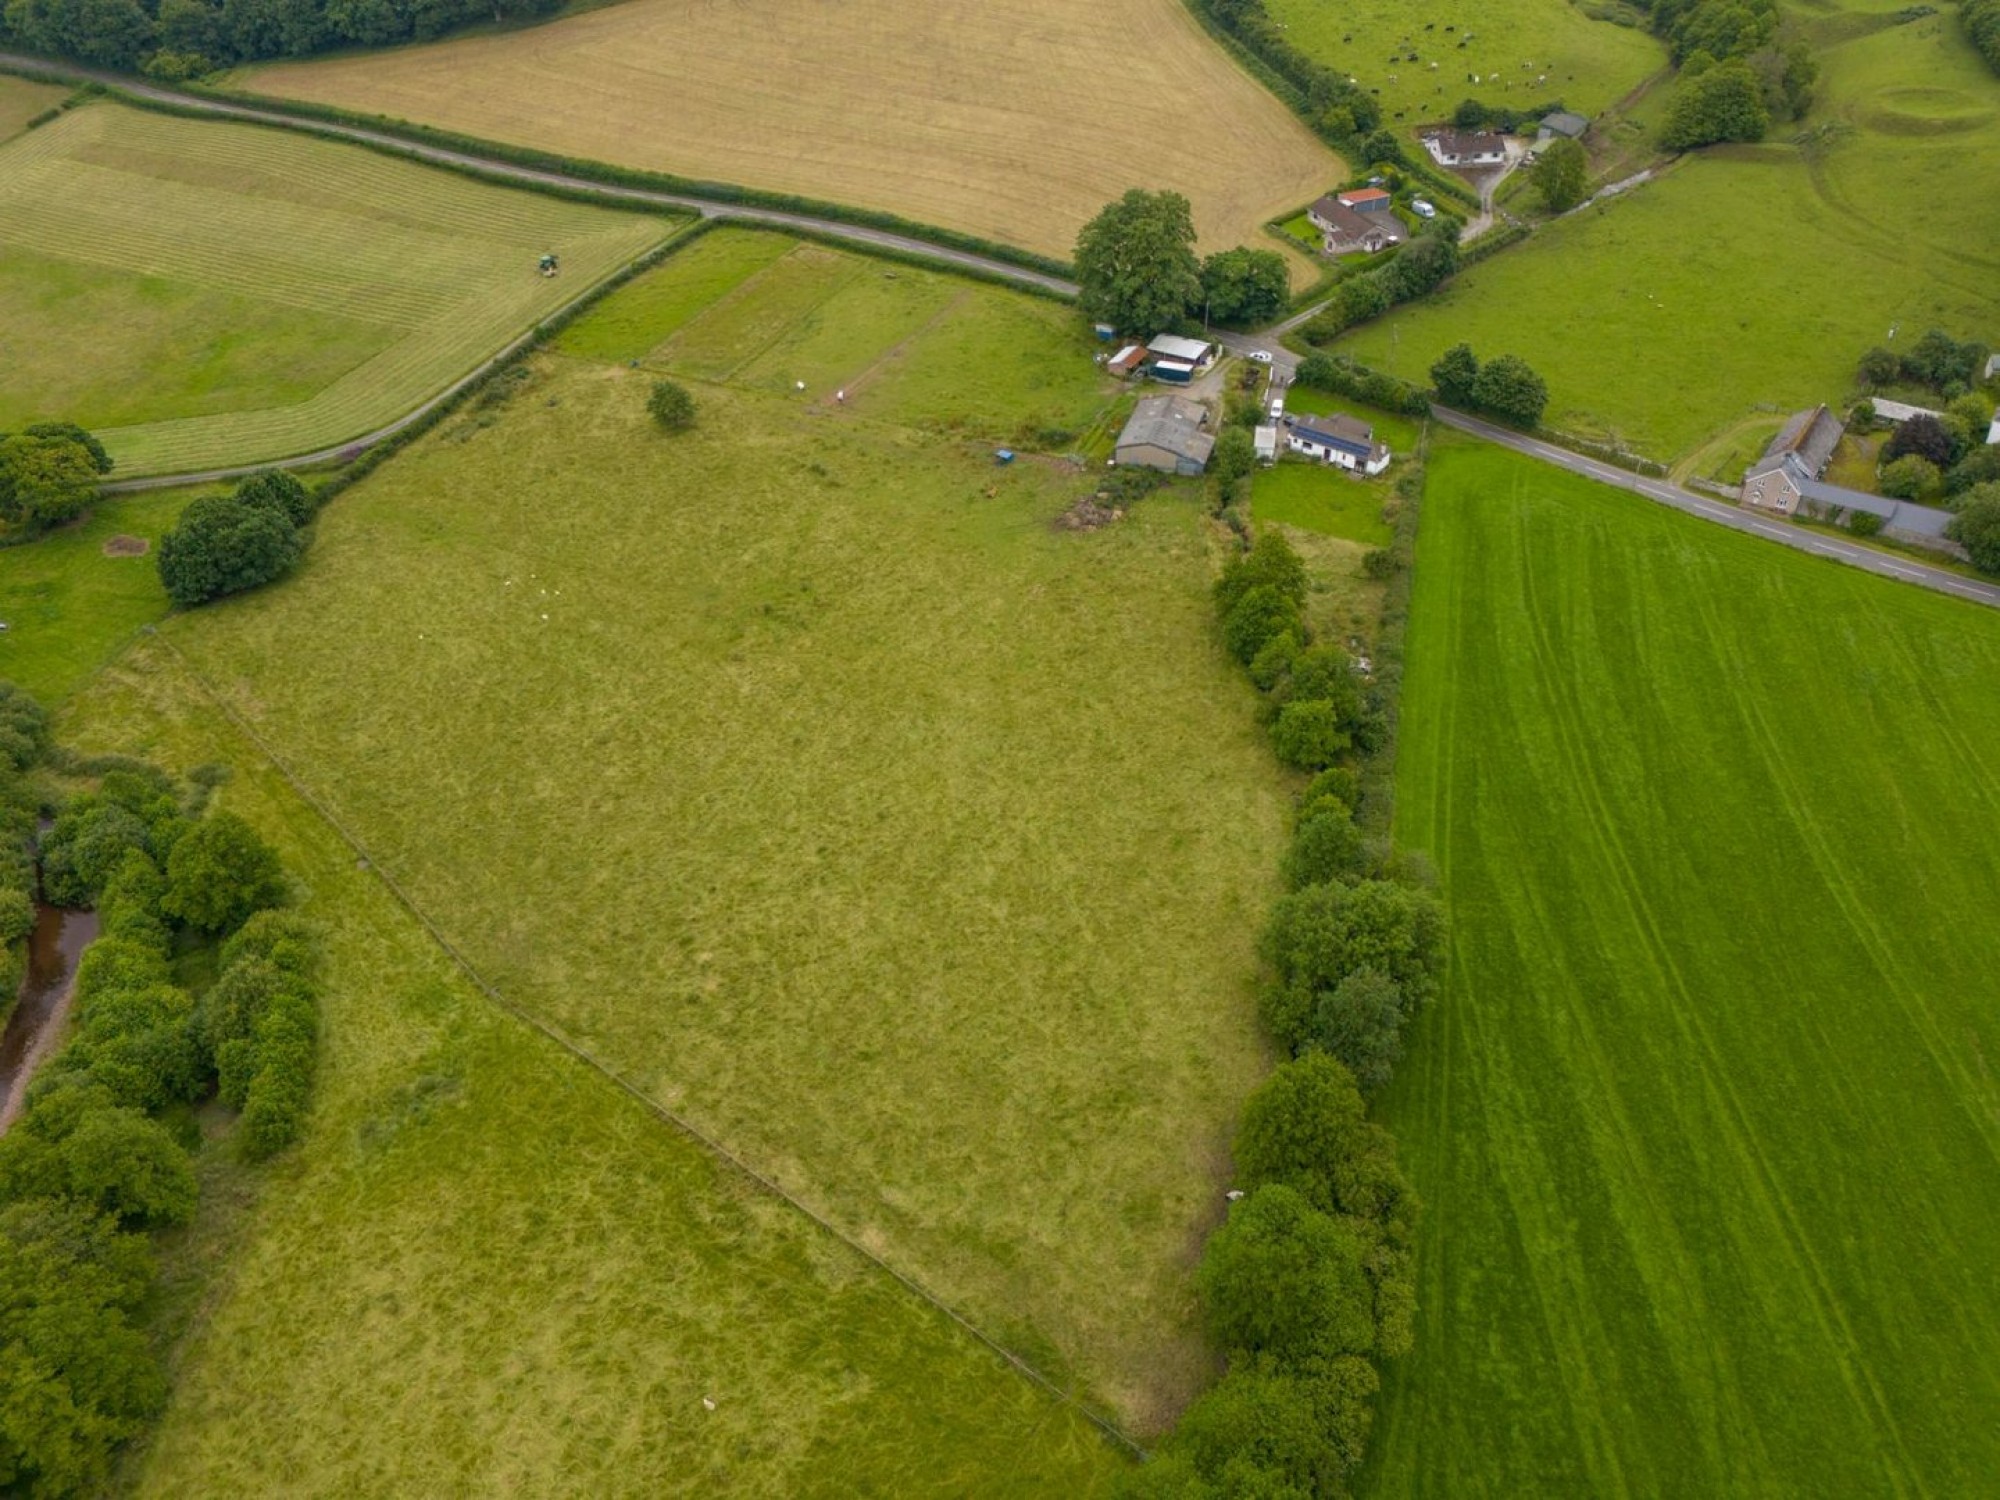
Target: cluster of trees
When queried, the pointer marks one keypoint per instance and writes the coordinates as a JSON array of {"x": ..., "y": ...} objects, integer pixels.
[
  {"x": 1340, "y": 375},
  {"x": 1341, "y": 111},
  {"x": 1506, "y": 388},
  {"x": 1976, "y": 527},
  {"x": 1472, "y": 114},
  {"x": 1981, "y": 19},
  {"x": 185, "y": 38},
  {"x": 1738, "y": 72},
  {"x": 224, "y": 544},
  {"x": 1313, "y": 702},
  {"x": 1136, "y": 265},
  {"x": 1936, "y": 361},
  {"x": 1308, "y": 1284},
  {"x": 1927, "y": 456},
  {"x": 1417, "y": 270},
  {"x": 24, "y": 740},
  {"x": 92, "y": 1164},
  {"x": 48, "y": 474}
]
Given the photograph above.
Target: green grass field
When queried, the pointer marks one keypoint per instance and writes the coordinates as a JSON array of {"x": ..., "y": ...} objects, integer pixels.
[
  {"x": 1752, "y": 278},
  {"x": 21, "y": 101},
  {"x": 1526, "y": 52},
  {"x": 69, "y": 606},
  {"x": 209, "y": 294},
  {"x": 1705, "y": 1121},
  {"x": 1314, "y": 497},
  {"x": 911, "y": 845},
  {"x": 486, "y": 1270}
]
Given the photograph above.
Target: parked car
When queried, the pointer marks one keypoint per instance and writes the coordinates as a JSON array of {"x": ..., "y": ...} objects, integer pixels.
[
  {"x": 1262, "y": 356},
  {"x": 1277, "y": 407},
  {"x": 1423, "y": 208}
]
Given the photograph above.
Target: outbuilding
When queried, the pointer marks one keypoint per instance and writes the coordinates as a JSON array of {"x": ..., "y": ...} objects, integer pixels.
[
  {"x": 1128, "y": 361},
  {"x": 1265, "y": 439},
  {"x": 1168, "y": 433},
  {"x": 1562, "y": 124},
  {"x": 1365, "y": 200},
  {"x": 1900, "y": 412},
  {"x": 1171, "y": 346}
]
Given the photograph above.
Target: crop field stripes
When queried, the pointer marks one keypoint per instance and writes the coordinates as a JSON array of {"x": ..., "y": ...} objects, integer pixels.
[
  {"x": 624, "y": 1084},
  {"x": 1567, "y": 718}
]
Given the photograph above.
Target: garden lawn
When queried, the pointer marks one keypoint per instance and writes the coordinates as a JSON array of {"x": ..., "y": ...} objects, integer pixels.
[
  {"x": 1704, "y": 1120},
  {"x": 207, "y": 294},
  {"x": 1588, "y": 65},
  {"x": 1672, "y": 312},
  {"x": 1318, "y": 497},
  {"x": 799, "y": 768},
  {"x": 1014, "y": 120},
  {"x": 487, "y": 1270}
]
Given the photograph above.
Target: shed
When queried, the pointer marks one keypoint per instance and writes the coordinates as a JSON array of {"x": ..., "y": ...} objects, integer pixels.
[
  {"x": 1900, "y": 411},
  {"x": 1173, "y": 371},
  {"x": 1169, "y": 346},
  {"x": 1563, "y": 123},
  {"x": 1365, "y": 200},
  {"x": 1166, "y": 433},
  {"x": 1127, "y": 361},
  {"x": 1266, "y": 441}
]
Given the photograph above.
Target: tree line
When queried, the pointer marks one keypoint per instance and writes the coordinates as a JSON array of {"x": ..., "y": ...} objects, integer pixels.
[
  {"x": 1740, "y": 69},
  {"x": 1137, "y": 270},
  {"x": 1309, "y": 1284},
  {"x": 99, "y": 1159},
  {"x": 1981, "y": 20},
  {"x": 179, "y": 39}
]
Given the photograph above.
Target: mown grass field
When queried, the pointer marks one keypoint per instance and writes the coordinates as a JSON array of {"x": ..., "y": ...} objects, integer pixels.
[
  {"x": 486, "y": 1270},
  {"x": 1015, "y": 120},
  {"x": 1587, "y": 64},
  {"x": 207, "y": 294},
  {"x": 1705, "y": 1122},
  {"x": 1753, "y": 278},
  {"x": 910, "y": 845}
]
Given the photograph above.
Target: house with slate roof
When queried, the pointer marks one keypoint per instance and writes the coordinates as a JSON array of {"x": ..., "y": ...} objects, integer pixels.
[
  {"x": 1786, "y": 480},
  {"x": 1338, "y": 440},
  {"x": 1345, "y": 230},
  {"x": 1465, "y": 149}
]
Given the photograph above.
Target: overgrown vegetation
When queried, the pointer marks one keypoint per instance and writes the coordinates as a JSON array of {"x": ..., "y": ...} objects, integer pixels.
[
  {"x": 100, "y": 1156},
  {"x": 1981, "y": 19},
  {"x": 1739, "y": 70}
]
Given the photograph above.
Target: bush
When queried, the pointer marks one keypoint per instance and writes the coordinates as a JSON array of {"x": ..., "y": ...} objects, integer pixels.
[
  {"x": 1361, "y": 1024},
  {"x": 671, "y": 406},
  {"x": 1265, "y": 1431},
  {"x": 1260, "y": 616},
  {"x": 220, "y": 874},
  {"x": 1910, "y": 477},
  {"x": 1308, "y": 734},
  {"x": 1271, "y": 562},
  {"x": 1320, "y": 935},
  {"x": 1326, "y": 846},
  {"x": 1976, "y": 527},
  {"x": 1341, "y": 784},
  {"x": 1981, "y": 20},
  {"x": 1926, "y": 437},
  {"x": 278, "y": 491},
  {"x": 1283, "y": 1278},
  {"x": 224, "y": 545},
  {"x": 1508, "y": 388},
  {"x": 17, "y": 915},
  {"x": 1234, "y": 455},
  {"x": 1864, "y": 523},
  {"x": 286, "y": 940}
]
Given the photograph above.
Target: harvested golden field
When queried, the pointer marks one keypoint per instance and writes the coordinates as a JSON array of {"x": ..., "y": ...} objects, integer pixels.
[{"x": 1014, "y": 120}]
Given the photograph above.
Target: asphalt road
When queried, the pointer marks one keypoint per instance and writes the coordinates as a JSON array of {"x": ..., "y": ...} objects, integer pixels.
[{"x": 1284, "y": 363}]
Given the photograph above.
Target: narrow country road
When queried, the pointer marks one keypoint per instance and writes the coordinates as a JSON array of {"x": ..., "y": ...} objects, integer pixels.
[{"x": 1283, "y": 362}]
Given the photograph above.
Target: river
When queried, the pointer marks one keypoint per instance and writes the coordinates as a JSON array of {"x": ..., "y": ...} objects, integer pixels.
[{"x": 35, "y": 1026}]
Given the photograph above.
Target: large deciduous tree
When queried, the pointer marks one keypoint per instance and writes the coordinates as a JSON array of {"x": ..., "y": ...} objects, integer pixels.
[
  {"x": 1561, "y": 174},
  {"x": 1976, "y": 527},
  {"x": 45, "y": 480},
  {"x": 223, "y": 544},
  {"x": 1244, "y": 286},
  {"x": 1509, "y": 389},
  {"x": 1136, "y": 265}
]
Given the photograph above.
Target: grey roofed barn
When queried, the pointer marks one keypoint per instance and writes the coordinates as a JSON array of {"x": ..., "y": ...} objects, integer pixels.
[{"x": 1166, "y": 432}]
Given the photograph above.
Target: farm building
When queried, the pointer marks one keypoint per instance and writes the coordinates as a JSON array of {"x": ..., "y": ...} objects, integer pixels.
[
  {"x": 1166, "y": 433},
  {"x": 1900, "y": 411},
  {"x": 1346, "y": 231},
  {"x": 1465, "y": 148},
  {"x": 1128, "y": 361},
  {"x": 1561, "y": 124},
  {"x": 1787, "y": 480},
  {"x": 1337, "y": 440},
  {"x": 1173, "y": 371},
  {"x": 1172, "y": 347},
  {"x": 1265, "y": 439}
]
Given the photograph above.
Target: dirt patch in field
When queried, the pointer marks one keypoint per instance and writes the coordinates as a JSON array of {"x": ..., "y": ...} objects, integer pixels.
[
  {"x": 126, "y": 546},
  {"x": 1091, "y": 513}
]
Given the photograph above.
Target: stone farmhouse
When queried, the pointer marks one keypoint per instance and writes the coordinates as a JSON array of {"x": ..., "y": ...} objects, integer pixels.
[
  {"x": 1786, "y": 481},
  {"x": 1168, "y": 433},
  {"x": 1339, "y": 440}
]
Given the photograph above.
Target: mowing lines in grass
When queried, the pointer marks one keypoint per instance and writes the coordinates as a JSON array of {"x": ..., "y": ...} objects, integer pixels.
[
  {"x": 396, "y": 278},
  {"x": 1702, "y": 1120}
]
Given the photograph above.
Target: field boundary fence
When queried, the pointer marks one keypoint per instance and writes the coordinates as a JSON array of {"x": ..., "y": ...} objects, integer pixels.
[{"x": 581, "y": 1054}]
